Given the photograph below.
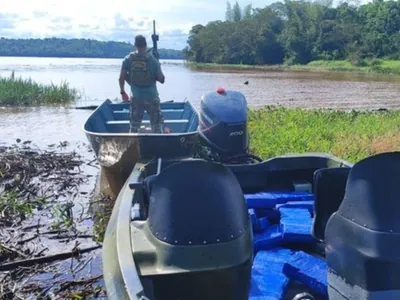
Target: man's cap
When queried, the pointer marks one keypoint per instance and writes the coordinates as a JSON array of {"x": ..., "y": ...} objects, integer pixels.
[{"x": 140, "y": 41}]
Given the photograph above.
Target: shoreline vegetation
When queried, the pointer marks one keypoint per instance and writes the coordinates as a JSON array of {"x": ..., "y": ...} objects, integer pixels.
[
  {"x": 16, "y": 91},
  {"x": 352, "y": 135},
  {"x": 301, "y": 36},
  {"x": 372, "y": 66}
]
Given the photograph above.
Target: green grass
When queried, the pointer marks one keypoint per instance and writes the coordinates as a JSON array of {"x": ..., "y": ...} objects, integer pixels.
[
  {"x": 377, "y": 66},
  {"x": 364, "y": 66},
  {"x": 14, "y": 208},
  {"x": 348, "y": 135},
  {"x": 232, "y": 67},
  {"x": 19, "y": 91}
]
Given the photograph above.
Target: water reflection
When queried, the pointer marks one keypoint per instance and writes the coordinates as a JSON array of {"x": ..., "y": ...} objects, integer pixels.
[{"x": 43, "y": 126}]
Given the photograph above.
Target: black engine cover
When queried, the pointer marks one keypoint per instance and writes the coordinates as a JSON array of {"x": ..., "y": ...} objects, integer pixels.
[
  {"x": 200, "y": 234},
  {"x": 223, "y": 122},
  {"x": 197, "y": 203},
  {"x": 363, "y": 236}
]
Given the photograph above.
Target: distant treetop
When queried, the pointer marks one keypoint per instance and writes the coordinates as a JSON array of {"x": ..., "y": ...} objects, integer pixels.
[
  {"x": 299, "y": 31},
  {"x": 57, "y": 47}
]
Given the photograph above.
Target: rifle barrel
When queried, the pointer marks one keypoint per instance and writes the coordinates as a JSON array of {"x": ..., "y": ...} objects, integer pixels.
[{"x": 154, "y": 37}]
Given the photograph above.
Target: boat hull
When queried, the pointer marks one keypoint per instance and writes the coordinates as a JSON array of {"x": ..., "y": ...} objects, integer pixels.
[
  {"x": 120, "y": 270},
  {"x": 121, "y": 282}
]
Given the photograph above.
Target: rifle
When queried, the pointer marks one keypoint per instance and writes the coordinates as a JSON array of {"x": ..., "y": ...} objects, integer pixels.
[{"x": 155, "y": 39}]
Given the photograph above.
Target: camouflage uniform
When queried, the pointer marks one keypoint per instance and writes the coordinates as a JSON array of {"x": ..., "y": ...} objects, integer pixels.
[
  {"x": 153, "y": 110},
  {"x": 142, "y": 71}
]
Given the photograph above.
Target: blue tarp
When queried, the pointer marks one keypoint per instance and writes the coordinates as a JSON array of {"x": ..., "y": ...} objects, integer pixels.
[
  {"x": 292, "y": 225},
  {"x": 271, "y": 199},
  {"x": 296, "y": 224},
  {"x": 278, "y": 220},
  {"x": 267, "y": 279},
  {"x": 270, "y": 238},
  {"x": 308, "y": 270}
]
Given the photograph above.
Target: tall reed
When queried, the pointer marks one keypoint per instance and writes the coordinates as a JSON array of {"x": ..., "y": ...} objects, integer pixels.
[{"x": 20, "y": 91}]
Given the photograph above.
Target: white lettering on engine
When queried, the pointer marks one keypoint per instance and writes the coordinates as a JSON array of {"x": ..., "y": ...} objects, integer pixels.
[{"x": 235, "y": 133}]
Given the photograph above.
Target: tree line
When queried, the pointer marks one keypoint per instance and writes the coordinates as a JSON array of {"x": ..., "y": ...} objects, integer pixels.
[
  {"x": 297, "y": 32},
  {"x": 57, "y": 47}
]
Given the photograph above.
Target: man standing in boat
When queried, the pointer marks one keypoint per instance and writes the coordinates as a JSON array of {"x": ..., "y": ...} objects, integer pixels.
[{"x": 142, "y": 70}]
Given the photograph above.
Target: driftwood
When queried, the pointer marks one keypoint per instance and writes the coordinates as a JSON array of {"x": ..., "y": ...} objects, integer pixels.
[
  {"x": 10, "y": 250},
  {"x": 66, "y": 285},
  {"x": 40, "y": 195},
  {"x": 27, "y": 240},
  {"x": 89, "y": 107},
  {"x": 45, "y": 259}
]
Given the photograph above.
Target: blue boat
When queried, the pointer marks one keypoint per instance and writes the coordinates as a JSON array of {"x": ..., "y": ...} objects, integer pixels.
[
  {"x": 108, "y": 126},
  {"x": 224, "y": 224},
  {"x": 117, "y": 150}
]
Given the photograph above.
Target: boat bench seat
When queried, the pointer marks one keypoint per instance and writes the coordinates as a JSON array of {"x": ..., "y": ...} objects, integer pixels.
[{"x": 126, "y": 122}]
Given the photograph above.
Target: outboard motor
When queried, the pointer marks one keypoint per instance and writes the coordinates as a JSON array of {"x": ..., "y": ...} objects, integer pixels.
[
  {"x": 223, "y": 126},
  {"x": 363, "y": 237},
  {"x": 197, "y": 240}
]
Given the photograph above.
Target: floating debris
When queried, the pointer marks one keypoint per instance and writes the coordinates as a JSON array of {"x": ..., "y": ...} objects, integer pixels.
[{"x": 48, "y": 248}]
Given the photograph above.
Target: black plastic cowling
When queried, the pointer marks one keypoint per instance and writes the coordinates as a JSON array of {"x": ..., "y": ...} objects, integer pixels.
[
  {"x": 197, "y": 203},
  {"x": 363, "y": 236},
  {"x": 198, "y": 210},
  {"x": 223, "y": 122}
]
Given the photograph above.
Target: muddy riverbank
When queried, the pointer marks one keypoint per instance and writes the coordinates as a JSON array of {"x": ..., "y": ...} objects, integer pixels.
[{"x": 50, "y": 247}]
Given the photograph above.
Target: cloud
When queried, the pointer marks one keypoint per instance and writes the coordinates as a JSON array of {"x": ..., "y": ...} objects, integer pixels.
[
  {"x": 62, "y": 20},
  {"x": 176, "y": 38},
  {"x": 61, "y": 28},
  {"x": 112, "y": 20},
  {"x": 120, "y": 22},
  {"x": 39, "y": 14},
  {"x": 8, "y": 20}
]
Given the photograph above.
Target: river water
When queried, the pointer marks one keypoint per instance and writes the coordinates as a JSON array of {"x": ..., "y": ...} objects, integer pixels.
[{"x": 97, "y": 80}]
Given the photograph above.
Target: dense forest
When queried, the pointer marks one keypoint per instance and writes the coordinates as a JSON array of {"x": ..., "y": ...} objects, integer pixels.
[
  {"x": 56, "y": 47},
  {"x": 297, "y": 32}
]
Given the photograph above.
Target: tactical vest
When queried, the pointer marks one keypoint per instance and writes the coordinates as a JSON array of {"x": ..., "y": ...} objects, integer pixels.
[{"x": 139, "y": 73}]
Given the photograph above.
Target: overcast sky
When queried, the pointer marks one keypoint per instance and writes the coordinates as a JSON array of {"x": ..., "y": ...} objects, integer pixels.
[{"x": 111, "y": 19}]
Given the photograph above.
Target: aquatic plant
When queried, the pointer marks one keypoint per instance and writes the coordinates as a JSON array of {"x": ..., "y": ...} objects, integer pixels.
[
  {"x": 350, "y": 135},
  {"x": 20, "y": 91},
  {"x": 102, "y": 209}
]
